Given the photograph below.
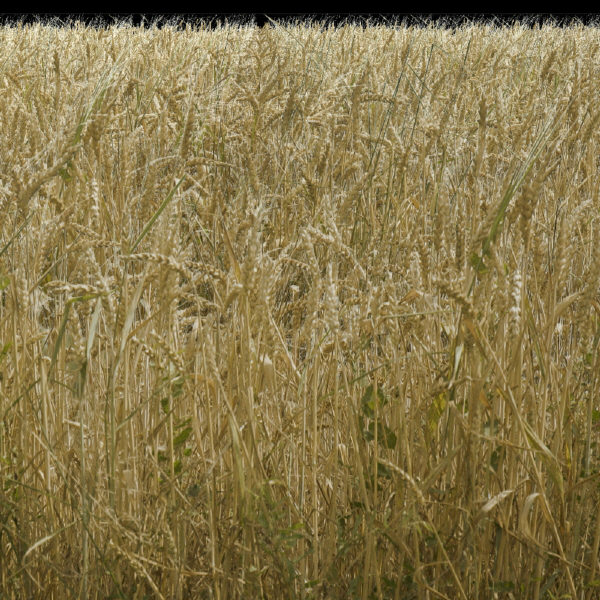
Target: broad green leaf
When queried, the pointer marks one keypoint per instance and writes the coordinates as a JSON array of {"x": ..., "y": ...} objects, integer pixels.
[{"x": 182, "y": 437}]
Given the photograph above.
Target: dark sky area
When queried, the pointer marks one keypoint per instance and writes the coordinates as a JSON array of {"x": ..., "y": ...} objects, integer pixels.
[{"x": 267, "y": 18}]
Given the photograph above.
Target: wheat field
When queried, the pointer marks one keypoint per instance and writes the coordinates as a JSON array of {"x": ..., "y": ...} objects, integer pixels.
[{"x": 299, "y": 312}]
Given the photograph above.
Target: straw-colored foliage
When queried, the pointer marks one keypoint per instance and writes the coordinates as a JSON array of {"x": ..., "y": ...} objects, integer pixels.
[{"x": 299, "y": 312}]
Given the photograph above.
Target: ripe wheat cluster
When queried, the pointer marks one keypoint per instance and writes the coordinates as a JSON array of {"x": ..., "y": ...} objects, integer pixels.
[{"x": 299, "y": 312}]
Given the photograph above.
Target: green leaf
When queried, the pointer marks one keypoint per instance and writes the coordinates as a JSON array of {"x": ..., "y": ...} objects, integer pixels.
[
  {"x": 4, "y": 351},
  {"x": 368, "y": 400},
  {"x": 182, "y": 437},
  {"x": 495, "y": 459},
  {"x": 385, "y": 436},
  {"x": 389, "y": 439},
  {"x": 436, "y": 410},
  {"x": 193, "y": 490},
  {"x": 183, "y": 423},
  {"x": 64, "y": 174},
  {"x": 155, "y": 216},
  {"x": 383, "y": 471},
  {"x": 164, "y": 404},
  {"x": 13, "y": 238},
  {"x": 177, "y": 386},
  {"x": 503, "y": 586},
  {"x": 478, "y": 264}
]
